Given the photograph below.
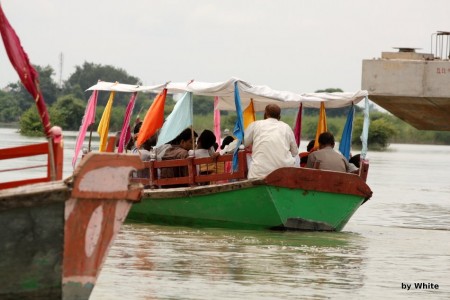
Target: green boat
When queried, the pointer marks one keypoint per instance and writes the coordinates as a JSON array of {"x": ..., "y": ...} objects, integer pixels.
[{"x": 286, "y": 199}]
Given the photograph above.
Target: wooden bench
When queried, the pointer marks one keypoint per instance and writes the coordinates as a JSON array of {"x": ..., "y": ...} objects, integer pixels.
[{"x": 215, "y": 171}]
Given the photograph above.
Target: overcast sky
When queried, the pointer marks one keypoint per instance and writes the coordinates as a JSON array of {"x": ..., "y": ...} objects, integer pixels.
[{"x": 294, "y": 45}]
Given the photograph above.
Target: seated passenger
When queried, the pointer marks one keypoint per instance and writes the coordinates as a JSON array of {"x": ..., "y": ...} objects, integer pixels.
[
  {"x": 178, "y": 149},
  {"x": 304, "y": 155},
  {"x": 273, "y": 143},
  {"x": 205, "y": 148},
  {"x": 327, "y": 157},
  {"x": 205, "y": 144}
]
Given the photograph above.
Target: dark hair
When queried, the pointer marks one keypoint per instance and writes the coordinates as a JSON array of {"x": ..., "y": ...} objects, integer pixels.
[
  {"x": 185, "y": 135},
  {"x": 326, "y": 138},
  {"x": 137, "y": 127},
  {"x": 310, "y": 145},
  {"x": 206, "y": 139},
  {"x": 273, "y": 111},
  {"x": 355, "y": 159},
  {"x": 227, "y": 140}
]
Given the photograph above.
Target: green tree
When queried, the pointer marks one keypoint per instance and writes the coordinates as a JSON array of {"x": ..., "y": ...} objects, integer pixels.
[
  {"x": 30, "y": 123},
  {"x": 49, "y": 89},
  {"x": 381, "y": 132},
  {"x": 203, "y": 105},
  {"x": 9, "y": 108},
  {"x": 67, "y": 112}
]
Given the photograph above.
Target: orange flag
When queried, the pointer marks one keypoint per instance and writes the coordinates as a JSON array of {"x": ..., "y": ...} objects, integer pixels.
[
  {"x": 322, "y": 125},
  {"x": 249, "y": 114},
  {"x": 153, "y": 120}
]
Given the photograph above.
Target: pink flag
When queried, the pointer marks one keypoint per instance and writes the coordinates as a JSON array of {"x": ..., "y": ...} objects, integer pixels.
[
  {"x": 217, "y": 120},
  {"x": 88, "y": 119},
  {"x": 298, "y": 125},
  {"x": 125, "y": 134}
]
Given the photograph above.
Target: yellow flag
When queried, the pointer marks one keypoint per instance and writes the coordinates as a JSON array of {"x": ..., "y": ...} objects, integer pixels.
[
  {"x": 103, "y": 126},
  {"x": 322, "y": 125},
  {"x": 249, "y": 114}
]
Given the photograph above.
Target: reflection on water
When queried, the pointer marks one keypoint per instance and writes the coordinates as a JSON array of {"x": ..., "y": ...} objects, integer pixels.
[
  {"x": 400, "y": 236},
  {"x": 183, "y": 263}
]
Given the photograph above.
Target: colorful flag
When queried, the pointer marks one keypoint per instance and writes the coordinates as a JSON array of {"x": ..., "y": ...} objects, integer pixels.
[
  {"x": 249, "y": 114},
  {"x": 179, "y": 119},
  {"x": 217, "y": 131},
  {"x": 125, "y": 133},
  {"x": 103, "y": 126},
  {"x": 153, "y": 120},
  {"x": 298, "y": 125},
  {"x": 238, "y": 131},
  {"x": 88, "y": 119},
  {"x": 28, "y": 75},
  {"x": 346, "y": 140},
  {"x": 322, "y": 125}
]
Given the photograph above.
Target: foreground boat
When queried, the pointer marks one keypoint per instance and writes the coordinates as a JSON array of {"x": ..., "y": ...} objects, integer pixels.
[
  {"x": 56, "y": 235},
  {"x": 287, "y": 199}
]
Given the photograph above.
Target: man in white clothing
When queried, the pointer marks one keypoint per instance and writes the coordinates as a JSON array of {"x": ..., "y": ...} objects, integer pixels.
[{"x": 273, "y": 143}]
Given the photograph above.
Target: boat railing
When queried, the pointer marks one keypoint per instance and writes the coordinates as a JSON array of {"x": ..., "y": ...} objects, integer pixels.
[
  {"x": 200, "y": 171},
  {"x": 54, "y": 165}
]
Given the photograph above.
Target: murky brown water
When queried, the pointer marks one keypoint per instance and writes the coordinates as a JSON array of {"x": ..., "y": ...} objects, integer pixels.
[{"x": 401, "y": 236}]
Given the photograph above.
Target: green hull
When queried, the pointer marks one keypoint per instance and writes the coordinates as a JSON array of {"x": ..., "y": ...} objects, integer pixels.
[
  {"x": 251, "y": 205},
  {"x": 260, "y": 207}
]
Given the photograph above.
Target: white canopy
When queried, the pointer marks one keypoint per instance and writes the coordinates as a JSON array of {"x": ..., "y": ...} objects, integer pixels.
[{"x": 261, "y": 95}]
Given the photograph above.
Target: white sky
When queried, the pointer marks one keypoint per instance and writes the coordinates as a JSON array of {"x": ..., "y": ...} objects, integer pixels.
[{"x": 294, "y": 45}]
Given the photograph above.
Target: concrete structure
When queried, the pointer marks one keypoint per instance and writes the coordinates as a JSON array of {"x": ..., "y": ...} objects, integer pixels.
[{"x": 413, "y": 86}]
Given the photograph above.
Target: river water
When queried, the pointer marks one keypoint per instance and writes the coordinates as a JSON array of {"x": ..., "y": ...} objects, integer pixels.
[{"x": 398, "y": 239}]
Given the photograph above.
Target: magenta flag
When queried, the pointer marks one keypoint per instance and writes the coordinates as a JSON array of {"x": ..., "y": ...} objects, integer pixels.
[
  {"x": 125, "y": 134},
  {"x": 298, "y": 125},
  {"x": 217, "y": 121},
  {"x": 88, "y": 119},
  {"x": 28, "y": 75}
]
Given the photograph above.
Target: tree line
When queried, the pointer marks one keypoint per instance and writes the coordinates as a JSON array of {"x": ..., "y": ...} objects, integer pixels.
[{"x": 67, "y": 105}]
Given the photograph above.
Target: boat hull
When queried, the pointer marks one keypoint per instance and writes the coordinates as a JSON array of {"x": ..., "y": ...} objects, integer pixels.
[
  {"x": 55, "y": 236},
  {"x": 257, "y": 204}
]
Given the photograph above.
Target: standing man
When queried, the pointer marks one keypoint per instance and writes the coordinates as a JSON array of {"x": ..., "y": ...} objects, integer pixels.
[{"x": 273, "y": 143}]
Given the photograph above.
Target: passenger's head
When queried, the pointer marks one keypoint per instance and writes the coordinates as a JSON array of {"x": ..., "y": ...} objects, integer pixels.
[
  {"x": 206, "y": 139},
  {"x": 184, "y": 139},
  {"x": 326, "y": 139},
  {"x": 151, "y": 142},
  {"x": 272, "y": 111},
  {"x": 355, "y": 159},
  {"x": 310, "y": 145},
  {"x": 226, "y": 141}
]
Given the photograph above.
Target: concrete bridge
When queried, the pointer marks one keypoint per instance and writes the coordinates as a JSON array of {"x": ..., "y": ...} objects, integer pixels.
[{"x": 413, "y": 86}]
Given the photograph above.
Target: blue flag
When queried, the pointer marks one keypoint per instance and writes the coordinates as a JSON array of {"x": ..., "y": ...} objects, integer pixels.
[
  {"x": 179, "y": 119},
  {"x": 238, "y": 131},
  {"x": 346, "y": 140}
]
